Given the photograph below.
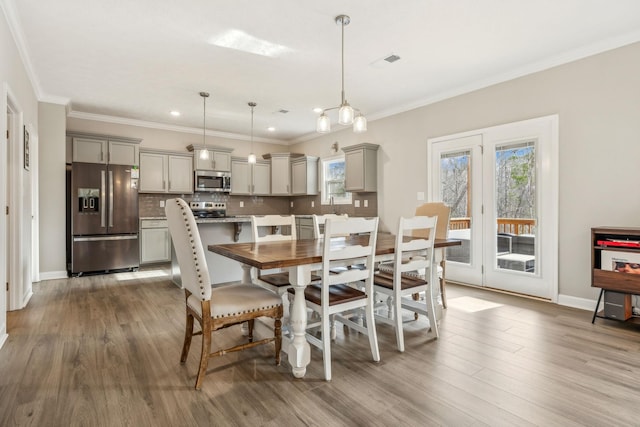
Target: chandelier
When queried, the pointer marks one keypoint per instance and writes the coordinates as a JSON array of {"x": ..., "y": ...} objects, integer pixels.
[
  {"x": 346, "y": 112},
  {"x": 204, "y": 153},
  {"x": 252, "y": 157}
]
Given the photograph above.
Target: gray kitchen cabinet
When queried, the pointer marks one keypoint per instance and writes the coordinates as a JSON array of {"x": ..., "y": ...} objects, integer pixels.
[
  {"x": 280, "y": 173},
  {"x": 155, "y": 241},
  {"x": 103, "y": 150},
  {"x": 166, "y": 173},
  {"x": 248, "y": 179},
  {"x": 304, "y": 175},
  {"x": 219, "y": 159},
  {"x": 304, "y": 228},
  {"x": 361, "y": 167}
]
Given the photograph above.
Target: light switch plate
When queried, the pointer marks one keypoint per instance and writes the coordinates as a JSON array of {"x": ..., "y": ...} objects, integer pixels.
[
  {"x": 313, "y": 204},
  {"x": 291, "y": 204},
  {"x": 420, "y": 196},
  {"x": 241, "y": 204},
  {"x": 162, "y": 203},
  {"x": 366, "y": 203},
  {"x": 356, "y": 203}
]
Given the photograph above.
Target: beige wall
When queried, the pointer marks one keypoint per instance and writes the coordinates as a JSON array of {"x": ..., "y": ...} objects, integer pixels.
[
  {"x": 598, "y": 103},
  {"x": 52, "y": 189}
]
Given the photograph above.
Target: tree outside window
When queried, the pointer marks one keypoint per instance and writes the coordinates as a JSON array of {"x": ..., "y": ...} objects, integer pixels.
[{"x": 333, "y": 182}]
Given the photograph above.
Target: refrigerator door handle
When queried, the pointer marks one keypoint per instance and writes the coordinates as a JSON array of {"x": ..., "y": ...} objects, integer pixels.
[
  {"x": 103, "y": 197},
  {"x": 110, "y": 198}
]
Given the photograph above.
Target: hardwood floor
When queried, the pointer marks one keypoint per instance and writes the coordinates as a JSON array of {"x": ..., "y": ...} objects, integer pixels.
[{"x": 105, "y": 350}]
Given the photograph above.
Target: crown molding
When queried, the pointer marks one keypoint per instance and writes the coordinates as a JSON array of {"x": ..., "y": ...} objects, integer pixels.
[
  {"x": 9, "y": 9},
  {"x": 163, "y": 126}
]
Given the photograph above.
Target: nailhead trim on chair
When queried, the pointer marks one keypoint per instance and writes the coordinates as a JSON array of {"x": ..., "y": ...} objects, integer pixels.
[
  {"x": 193, "y": 248},
  {"x": 243, "y": 312}
]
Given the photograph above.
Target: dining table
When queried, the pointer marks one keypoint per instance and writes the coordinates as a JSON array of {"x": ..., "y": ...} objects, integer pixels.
[{"x": 301, "y": 257}]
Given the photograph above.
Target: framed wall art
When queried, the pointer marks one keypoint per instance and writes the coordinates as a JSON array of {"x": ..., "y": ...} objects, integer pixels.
[{"x": 26, "y": 148}]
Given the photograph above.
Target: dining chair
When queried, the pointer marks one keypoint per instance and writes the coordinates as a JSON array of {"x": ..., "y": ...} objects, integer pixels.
[
  {"x": 333, "y": 299},
  {"x": 274, "y": 228},
  {"x": 220, "y": 307},
  {"x": 443, "y": 212},
  {"x": 412, "y": 262},
  {"x": 319, "y": 222}
]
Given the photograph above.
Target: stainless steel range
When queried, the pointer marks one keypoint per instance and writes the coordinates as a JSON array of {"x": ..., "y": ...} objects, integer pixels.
[{"x": 209, "y": 209}]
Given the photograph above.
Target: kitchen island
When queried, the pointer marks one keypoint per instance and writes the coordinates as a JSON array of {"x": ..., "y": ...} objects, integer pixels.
[{"x": 215, "y": 231}]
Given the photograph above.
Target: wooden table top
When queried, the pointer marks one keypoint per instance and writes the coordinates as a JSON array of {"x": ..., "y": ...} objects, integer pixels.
[{"x": 269, "y": 255}]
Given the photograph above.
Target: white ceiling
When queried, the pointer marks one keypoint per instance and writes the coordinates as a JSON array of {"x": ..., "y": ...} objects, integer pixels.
[{"x": 140, "y": 59}]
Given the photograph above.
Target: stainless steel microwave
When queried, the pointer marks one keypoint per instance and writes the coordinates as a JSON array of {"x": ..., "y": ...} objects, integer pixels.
[{"x": 212, "y": 182}]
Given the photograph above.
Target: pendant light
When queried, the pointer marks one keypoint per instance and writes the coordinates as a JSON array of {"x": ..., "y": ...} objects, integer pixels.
[
  {"x": 252, "y": 157},
  {"x": 204, "y": 153},
  {"x": 346, "y": 112}
]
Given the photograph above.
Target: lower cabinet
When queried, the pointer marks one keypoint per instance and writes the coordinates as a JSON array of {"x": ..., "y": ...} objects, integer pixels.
[
  {"x": 155, "y": 241},
  {"x": 304, "y": 228}
]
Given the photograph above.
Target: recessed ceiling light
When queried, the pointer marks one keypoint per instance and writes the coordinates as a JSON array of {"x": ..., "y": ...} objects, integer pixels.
[
  {"x": 175, "y": 113},
  {"x": 271, "y": 129},
  {"x": 317, "y": 110},
  {"x": 239, "y": 40}
]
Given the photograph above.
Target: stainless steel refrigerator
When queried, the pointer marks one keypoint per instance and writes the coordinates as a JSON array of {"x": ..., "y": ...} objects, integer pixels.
[{"x": 104, "y": 218}]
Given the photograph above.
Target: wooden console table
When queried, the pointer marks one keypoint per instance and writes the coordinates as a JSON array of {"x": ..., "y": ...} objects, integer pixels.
[{"x": 615, "y": 258}]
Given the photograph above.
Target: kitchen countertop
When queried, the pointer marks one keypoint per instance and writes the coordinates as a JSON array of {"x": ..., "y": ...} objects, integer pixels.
[{"x": 231, "y": 219}]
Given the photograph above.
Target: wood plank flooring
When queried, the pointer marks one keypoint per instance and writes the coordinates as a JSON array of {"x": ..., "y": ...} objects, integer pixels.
[{"x": 104, "y": 351}]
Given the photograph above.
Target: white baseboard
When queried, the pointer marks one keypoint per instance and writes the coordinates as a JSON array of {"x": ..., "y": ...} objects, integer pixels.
[
  {"x": 51, "y": 275},
  {"x": 3, "y": 336},
  {"x": 575, "y": 302}
]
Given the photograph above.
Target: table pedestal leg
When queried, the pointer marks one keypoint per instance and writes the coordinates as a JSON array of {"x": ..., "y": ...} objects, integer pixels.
[{"x": 299, "y": 351}]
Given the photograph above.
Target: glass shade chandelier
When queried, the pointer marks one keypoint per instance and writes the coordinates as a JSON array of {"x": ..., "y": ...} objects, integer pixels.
[
  {"x": 346, "y": 113},
  {"x": 252, "y": 157},
  {"x": 204, "y": 153}
]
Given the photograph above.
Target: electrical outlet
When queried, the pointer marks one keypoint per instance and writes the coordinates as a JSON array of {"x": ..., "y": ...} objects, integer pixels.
[
  {"x": 241, "y": 204},
  {"x": 366, "y": 203},
  {"x": 162, "y": 203},
  {"x": 313, "y": 204},
  {"x": 356, "y": 203}
]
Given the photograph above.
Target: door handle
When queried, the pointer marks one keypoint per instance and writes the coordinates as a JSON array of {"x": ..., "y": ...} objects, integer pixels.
[
  {"x": 103, "y": 197},
  {"x": 110, "y": 198}
]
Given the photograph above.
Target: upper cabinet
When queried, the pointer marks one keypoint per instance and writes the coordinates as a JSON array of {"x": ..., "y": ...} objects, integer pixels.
[
  {"x": 280, "y": 173},
  {"x": 163, "y": 172},
  {"x": 219, "y": 158},
  {"x": 250, "y": 179},
  {"x": 361, "y": 167},
  {"x": 304, "y": 175},
  {"x": 89, "y": 148}
]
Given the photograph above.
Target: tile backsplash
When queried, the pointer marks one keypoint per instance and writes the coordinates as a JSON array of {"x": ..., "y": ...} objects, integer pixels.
[{"x": 149, "y": 204}]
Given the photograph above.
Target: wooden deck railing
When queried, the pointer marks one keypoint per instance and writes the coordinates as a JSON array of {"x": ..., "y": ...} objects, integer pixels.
[{"x": 505, "y": 225}]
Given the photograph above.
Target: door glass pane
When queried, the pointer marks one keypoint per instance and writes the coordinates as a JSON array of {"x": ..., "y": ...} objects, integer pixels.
[
  {"x": 515, "y": 208},
  {"x": 455, "y": 184}
]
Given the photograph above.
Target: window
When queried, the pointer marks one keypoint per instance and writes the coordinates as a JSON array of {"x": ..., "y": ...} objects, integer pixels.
[{"x": 333, "y": 181}]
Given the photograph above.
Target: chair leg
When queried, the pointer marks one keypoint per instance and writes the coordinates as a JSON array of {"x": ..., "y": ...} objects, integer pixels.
[
  {"x": 371, "y": 332},
  {"x": 398, "y": 319},
  {"x": 334, "y": 332},
  {"x": 442, "y": 291},
  {"x": 204, "y": 354},
  {"x": 250, "y": 329},
  {"x": 326, "y": 348},
  {"x": 188, "y": 334},
  {"x": 416, "y": 297},
  {"x": 277, "y": 332}
]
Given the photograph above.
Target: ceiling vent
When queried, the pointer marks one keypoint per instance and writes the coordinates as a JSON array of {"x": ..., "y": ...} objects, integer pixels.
[{"x": 392, "y": 58}]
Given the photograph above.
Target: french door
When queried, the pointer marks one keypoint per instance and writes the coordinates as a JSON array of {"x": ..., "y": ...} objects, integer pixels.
[{"x": 502, "y": 186}]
